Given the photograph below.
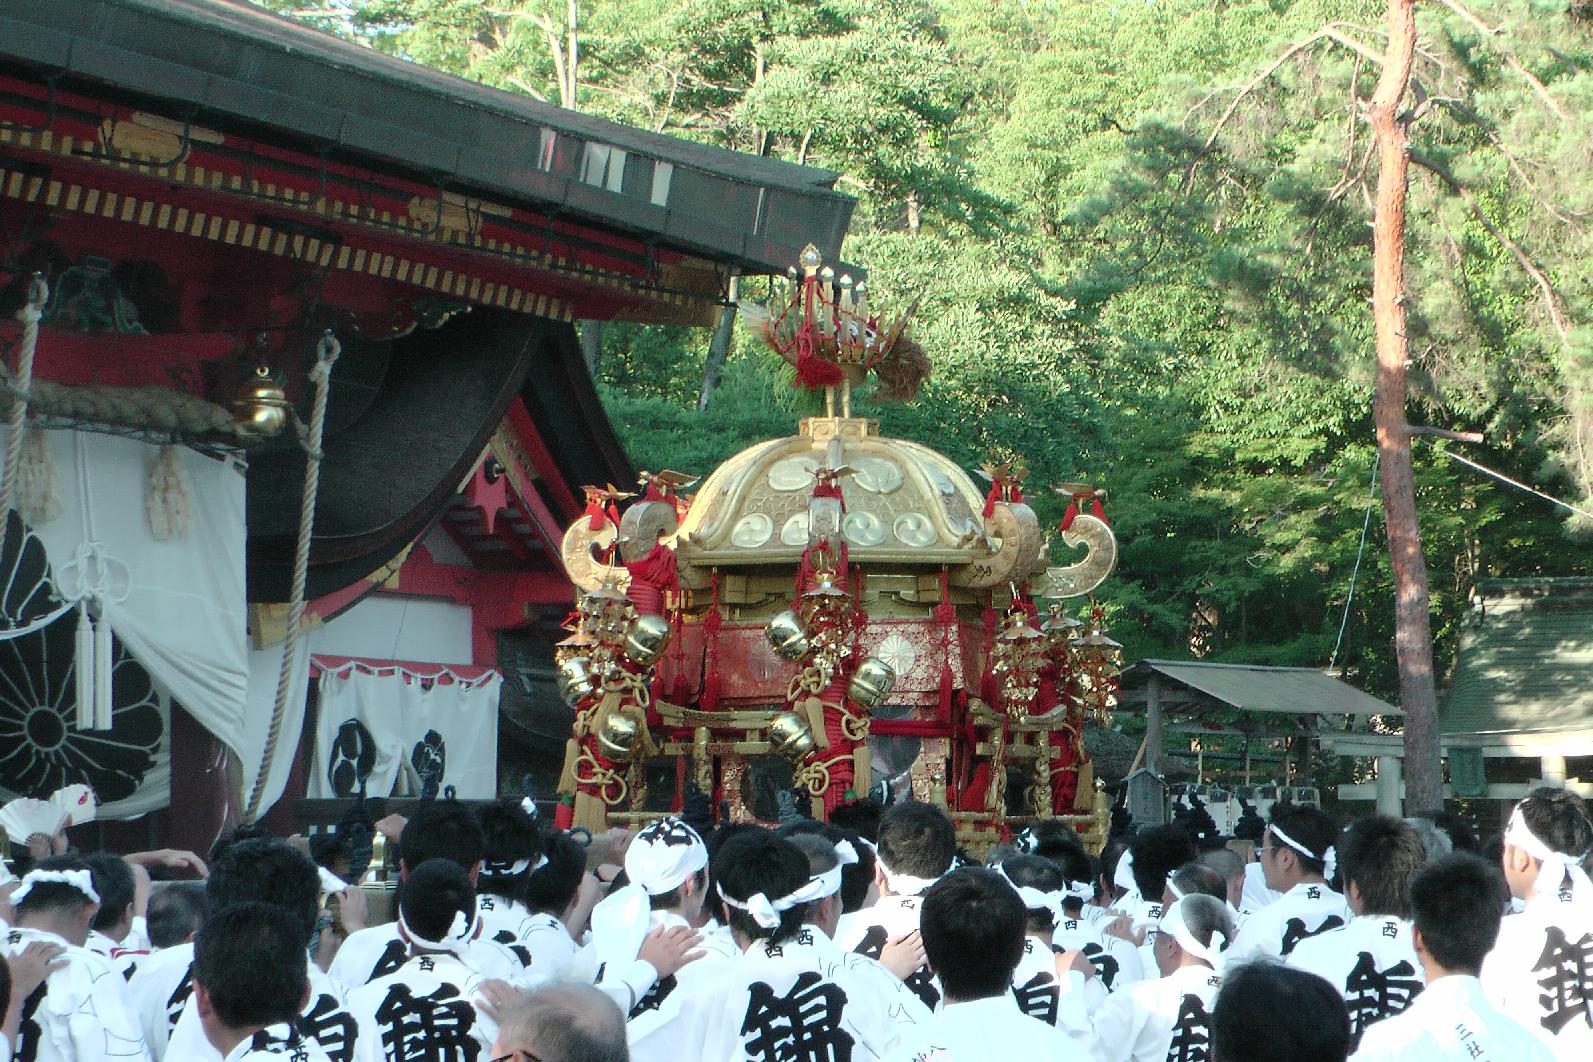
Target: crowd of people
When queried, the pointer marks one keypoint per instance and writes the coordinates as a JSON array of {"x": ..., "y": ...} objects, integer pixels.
[{"x": 868, "y": 937}]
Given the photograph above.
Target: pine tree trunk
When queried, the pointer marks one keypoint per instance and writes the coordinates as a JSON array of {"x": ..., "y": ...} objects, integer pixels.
[
  {"x": 713, "y": 365},
  {"x": 1413, "y": 643}
]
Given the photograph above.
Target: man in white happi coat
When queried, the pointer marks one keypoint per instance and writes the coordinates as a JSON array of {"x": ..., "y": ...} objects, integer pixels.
[
  {"x": 1456, "y": 902},
  {"x": 793, "y": 995},
  {"x": 915, "y": 849},
  {"x": 560, "y": 895},
  {"x": 666, "y": 870},
  {"x": 1035, "y": 982},
  {"x": 1372, "y": 960},
  {"x": 250, "y": 871},
  {"x": 1152, "y": 857},
  {"x": 1297, "y": 856},
  {"x": 515, "y": 849},
  {"x": 250, "y": 981},
  {"x": 1081, "y": 927},
  {"x": 81, "y": 1012},
  {"x": 1169, "y": 1017},
  {"x": 120, "y": 932},
  {"x": 428, "y": 1009},
  {"x": 439, "y": 829},
  {"x": 1541, "y": 969},
  {"x": 973, "y": 928}
]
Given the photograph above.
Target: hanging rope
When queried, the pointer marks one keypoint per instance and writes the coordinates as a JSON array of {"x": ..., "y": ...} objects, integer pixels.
[
  {"x": 321, "y": 376},
  {"x": 38, "y": 295}
]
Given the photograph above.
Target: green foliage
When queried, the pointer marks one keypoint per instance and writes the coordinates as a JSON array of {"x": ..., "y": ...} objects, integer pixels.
[{"x": 1146, "y": 265}]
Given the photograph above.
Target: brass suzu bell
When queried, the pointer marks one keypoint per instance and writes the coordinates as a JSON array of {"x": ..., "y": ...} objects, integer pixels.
[
  {"x": 616, "y": 736},
  {"x": 871, "y": 683},
  {"x": 261, "y": 409},
  {"x": 647, "y": 640},
  {"x": 790, "y": 738},
  {"x": 575, "y": 679},
  {"x": 789, "y": 636}
]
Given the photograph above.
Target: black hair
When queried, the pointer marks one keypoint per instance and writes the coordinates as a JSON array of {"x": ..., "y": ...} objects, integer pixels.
[
  {"x": 1157, "y": 853},
  {"x": 1077, "y": 866},
  {"x": 973, "y": 926},
  {"x": 666, "y": 901},
  {"x": 432, "y": 894},
  {"x": 917, "y": 839},
  {"x": 552, "y": 888},
  {"x": 859, "y": 817},
  {"x": 442, "y": 829},
  {"x": 1196, "y": 879},
  {"x": 176, "y": 912},
  {"x": 1380, "y": 855},
  {"x": 1053, "y": 838},
  {"x": 716, "y": 843},
  {"x": 855, "y": 877},
  {"x": 1268, "y": 1012},
  {"x": 270, "y": 871},
  {"x": 1456, "y": 903},
  {"x": 762, "y": 862},
  {"x": 248, "y": 831},
  {"x": 1036, "y": 872},
  {"x": 1461, "y": 835},
  {"x": 56, "y": 895},
  {"x": 1559, "y": 818},
  {"x": 511, "y": 836},
  {"x": 1308, "y": 826},
  {"x": 251, "y": 960},
  {"x": 113, "y": 880},
  {"x": 1106, "y": 866}
]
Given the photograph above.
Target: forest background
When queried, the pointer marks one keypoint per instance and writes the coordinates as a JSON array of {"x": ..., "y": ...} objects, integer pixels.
[{"x": 1141, "y": 234}]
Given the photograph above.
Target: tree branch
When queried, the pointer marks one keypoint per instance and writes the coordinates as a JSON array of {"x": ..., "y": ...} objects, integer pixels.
[
  {"x": 1510, "y": 59},
  {"x": 1551, "y": 298}
]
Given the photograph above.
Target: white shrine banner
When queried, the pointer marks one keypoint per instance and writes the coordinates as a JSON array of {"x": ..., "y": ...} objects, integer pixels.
[
  {"x": 176, "y": 607},
  {"x": 439, "y": 730}
]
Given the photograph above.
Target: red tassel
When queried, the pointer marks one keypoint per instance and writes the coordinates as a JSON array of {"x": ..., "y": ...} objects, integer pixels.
[
  {"x": 1015, "y": 495},
  {"x": 710, "y": 688},
  {"x": 1097, "y": 510},
  {"x": 595, "y": 515},
  {"x": 1069, "y": 515},
  {"x": 815, "y": 373},
  {"x": 991, "y": 499},
  {"x": 563, "y": 816}
]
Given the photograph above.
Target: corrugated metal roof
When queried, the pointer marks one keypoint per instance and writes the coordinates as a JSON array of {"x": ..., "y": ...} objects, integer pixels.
[
  {"x": 1255, "y": 688},
  {"x": 1526, "y": 659}
]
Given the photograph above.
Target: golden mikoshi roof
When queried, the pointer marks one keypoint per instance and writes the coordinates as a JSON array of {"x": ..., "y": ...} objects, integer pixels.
[{"x": 904, "y": 502}]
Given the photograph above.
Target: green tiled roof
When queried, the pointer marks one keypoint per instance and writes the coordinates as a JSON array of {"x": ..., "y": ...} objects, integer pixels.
[{"x": 1526, "y": 659}]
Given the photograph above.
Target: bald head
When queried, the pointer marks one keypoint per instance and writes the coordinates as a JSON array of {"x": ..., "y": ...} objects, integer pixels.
[{"x": 568, "y": 1022}]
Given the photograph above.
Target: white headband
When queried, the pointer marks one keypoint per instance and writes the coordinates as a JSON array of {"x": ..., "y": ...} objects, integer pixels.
[
  {"x": 529, "y": 806},
  {"x": 1554, "y": 868},
  {"x": 1078, "y": 890},
  {"x": 1329, "y": 858},
  {"x": 662, "y": 856},
  {"x": 1033, "y": 898},
  {"x": 456, "y": 940},
  {"x": 1178, "y": 894},
  {"x": 766, "y": 912},
  {"x": 492, "y": 869},
  {"x": 80, "y": 880},
  {"x": 845, "y": 852},
  {"x": 905, "y": 884},
  {"x": 1027, "y": 842},
  {"x": 1173, "y": 922},
  {"x": 1123, "y": 876},
  {"x": 331, "y": 884}
]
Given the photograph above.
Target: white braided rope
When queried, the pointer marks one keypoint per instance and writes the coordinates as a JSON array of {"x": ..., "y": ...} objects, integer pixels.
[
  {"x": 321, "y": 375},
  {"x": 38, "y": 295}
]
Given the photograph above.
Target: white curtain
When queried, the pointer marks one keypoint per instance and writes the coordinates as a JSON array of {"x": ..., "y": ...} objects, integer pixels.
[
  {"x": 376, "y": 723},
  {"x": 177, "y": 606}
]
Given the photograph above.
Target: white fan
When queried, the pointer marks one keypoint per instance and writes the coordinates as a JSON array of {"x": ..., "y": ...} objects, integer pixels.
[
  {"x": 77, "y": 803},
  {"x": 25, "y": 817}
]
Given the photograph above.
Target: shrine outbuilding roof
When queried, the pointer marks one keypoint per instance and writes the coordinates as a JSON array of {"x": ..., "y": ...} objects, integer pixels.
[
  {"x": 1296, "y": 691},
  {"x": 1526, "y": 659},
  {"x": 225, "y": 62}
]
